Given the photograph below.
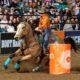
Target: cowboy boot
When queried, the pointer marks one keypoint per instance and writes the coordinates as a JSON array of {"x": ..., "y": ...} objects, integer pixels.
[
  {"x": 6, "y": 63},
  {"x": 17, "y": 65}
]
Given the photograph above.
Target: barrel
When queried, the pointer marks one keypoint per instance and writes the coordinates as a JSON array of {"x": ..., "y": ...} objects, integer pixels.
[{"x": 60, "y": 59}]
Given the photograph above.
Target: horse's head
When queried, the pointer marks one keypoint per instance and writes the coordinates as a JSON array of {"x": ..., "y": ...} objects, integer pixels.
[{"x": 21, "y": 31}]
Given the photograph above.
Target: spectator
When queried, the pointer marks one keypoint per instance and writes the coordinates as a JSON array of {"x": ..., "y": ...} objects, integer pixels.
[
  {"x": 77, "y": 23},
  {"x": 14, "y": 3},
  {"x": 1, "y": 13},
  {"x": 12, "y": 11},
  {"x": 14, "y": 23},
  {"x": 73, "y": 24},
  {"x": 4, "y": 24},
  {"x": 11, "y": 19},
  {"x": 68, "y": 26},
  {"x": 10, "y": 28},
  {"x": 18, "y": 8},
  {"x": 5, "y": 3},
  {"x": 26, "y": 7}
]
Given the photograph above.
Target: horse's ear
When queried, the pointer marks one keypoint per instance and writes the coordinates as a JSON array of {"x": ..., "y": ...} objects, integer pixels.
[{"x": 25, "y": 20}]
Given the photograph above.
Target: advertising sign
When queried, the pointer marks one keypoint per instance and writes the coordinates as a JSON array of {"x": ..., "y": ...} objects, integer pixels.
[
  {"x": 8, "y": 44},
  {"x": 75, "y": 35},
  {"x": 60, "y": 34}
]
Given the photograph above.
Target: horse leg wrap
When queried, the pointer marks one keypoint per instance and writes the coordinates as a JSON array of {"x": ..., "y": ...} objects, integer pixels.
[
  {"x": 17, "y": 65},
  {"x": 6, "y": 63},
  {"x": 5, "y": 66}
]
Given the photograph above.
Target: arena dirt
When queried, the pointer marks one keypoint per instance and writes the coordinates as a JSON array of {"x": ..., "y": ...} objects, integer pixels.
[{"x": 11, "y": 74}]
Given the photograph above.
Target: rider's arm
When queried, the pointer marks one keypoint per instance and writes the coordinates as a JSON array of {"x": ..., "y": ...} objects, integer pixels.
[{"x": 44, "y": 23}]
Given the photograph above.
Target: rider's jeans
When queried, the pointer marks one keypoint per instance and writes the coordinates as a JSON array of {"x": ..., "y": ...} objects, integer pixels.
[{"x": 46, "y": 37}]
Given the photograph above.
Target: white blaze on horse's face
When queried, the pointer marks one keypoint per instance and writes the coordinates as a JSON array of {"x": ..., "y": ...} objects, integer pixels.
[{"x": 20, "y": 29}]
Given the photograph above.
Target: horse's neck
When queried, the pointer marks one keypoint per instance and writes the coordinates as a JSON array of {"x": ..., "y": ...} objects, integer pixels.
[{"x": 30, "y": 36}]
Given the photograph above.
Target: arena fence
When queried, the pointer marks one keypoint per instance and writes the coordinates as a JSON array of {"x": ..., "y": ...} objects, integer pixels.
[{"x": 8, "y": 44}]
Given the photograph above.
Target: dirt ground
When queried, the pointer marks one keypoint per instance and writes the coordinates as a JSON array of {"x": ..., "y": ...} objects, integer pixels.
[{"x": 11, "y": 74}]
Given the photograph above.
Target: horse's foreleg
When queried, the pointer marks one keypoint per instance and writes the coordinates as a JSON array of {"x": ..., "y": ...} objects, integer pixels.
[
  {"x": 28, "y": 54},
  {"x": 26, "y": 57},
  {"x": 9, "y": 59},
  {"x": 17, "y": 65}
]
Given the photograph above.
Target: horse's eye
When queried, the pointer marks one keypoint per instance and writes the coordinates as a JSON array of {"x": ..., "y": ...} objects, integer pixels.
[{"x": 23, "y": 27}]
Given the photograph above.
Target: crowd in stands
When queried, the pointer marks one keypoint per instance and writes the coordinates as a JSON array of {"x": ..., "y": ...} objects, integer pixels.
[{"x": 62, "y": 16}]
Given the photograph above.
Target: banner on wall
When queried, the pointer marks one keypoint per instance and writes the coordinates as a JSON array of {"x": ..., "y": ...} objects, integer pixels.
[
  {"x": 75, "y": 35},
  {"x": 60, "y": 34},
  {"x": 7, "y": 43}
]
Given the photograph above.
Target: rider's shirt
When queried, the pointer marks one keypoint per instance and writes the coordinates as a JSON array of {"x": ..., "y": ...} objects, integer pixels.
[{"x": 44, "y": 21}]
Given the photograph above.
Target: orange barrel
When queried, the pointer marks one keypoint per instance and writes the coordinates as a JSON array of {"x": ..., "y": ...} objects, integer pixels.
[{"x": 60, "y": 59}]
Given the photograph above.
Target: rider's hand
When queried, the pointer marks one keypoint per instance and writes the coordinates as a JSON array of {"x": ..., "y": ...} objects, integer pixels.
[{"x": 37, "y": 29}]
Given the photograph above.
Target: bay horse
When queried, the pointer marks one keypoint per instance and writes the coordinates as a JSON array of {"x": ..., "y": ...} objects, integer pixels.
[{"x": 29, "y": 45}]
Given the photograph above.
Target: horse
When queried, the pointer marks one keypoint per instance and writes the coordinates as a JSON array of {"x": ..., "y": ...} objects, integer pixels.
[{"x": 29, "y": 46}]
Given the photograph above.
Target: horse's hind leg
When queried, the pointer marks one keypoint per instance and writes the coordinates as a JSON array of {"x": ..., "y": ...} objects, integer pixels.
[
  {"x": 42, "y": 55},
  {"x": 42, "y": 64}
]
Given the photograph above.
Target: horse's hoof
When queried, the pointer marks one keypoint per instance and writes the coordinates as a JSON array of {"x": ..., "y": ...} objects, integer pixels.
[
  {"x": 36, "y": 69},
  {"x": 5, "y": 67},
  {"x": 17, "y": 69}
]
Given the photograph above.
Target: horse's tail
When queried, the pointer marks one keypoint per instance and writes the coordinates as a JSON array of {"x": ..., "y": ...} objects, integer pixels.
[{"x": 69, "y": 40}]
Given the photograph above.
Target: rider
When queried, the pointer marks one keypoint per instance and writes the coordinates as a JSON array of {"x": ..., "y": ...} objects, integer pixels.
[{"x": 44, "y": 28}]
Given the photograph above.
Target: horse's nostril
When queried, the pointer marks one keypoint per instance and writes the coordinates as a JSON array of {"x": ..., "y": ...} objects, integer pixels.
[{"x": 16, "y": 38}]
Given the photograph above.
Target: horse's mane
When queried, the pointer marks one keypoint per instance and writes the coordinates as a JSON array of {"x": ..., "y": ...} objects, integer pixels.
[{"x": 34, "y": 24}]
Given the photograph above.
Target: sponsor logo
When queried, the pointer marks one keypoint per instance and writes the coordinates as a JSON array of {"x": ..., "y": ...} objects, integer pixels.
[
  {"x": 10, "y": 43},
  {"x": 65, "y": 60}
]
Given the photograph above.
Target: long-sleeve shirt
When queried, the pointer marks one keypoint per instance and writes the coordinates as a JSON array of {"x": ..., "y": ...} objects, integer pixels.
[{"x": 44, "y": 21}]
